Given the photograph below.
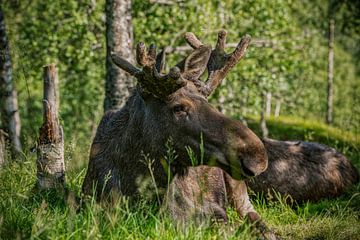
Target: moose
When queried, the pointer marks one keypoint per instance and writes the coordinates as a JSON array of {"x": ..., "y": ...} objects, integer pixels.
[
  {"x": 174, "y": 105},
  {"x": 304, "y": 171}
]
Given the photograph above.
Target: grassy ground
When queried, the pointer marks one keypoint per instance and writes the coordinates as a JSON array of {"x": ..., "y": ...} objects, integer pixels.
[{"x": 25, "y": 213}]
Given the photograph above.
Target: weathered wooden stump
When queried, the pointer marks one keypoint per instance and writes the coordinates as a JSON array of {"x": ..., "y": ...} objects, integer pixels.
[{"x": 50, "y": 149}]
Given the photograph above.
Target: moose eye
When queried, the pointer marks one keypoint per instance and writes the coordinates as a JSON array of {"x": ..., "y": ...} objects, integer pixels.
[{"x": 178, "y": 108}]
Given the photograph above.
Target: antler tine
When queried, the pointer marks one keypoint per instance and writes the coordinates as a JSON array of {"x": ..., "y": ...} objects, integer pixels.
[
  {"x": 145, "y": 59},
  {"x": 160, "y": 61},
  {"x": 125, "y": 65},
  {"x": 152, "y": 51},
  {"x": 192, "y": 40},
  {"x": 220, "y": 45},
  {"x": 221, "y": 63}
]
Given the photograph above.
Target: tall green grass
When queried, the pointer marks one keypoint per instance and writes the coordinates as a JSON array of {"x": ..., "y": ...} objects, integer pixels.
[{"x": 26, "y": 213}]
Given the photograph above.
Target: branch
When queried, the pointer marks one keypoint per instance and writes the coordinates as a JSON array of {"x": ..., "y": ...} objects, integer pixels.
[
  {"x": 167, "y": 2},
  {"x": 260, "y": 43}
]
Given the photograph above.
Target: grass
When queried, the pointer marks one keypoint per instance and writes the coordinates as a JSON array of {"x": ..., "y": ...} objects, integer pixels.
[{"x": 25, "y": 213}]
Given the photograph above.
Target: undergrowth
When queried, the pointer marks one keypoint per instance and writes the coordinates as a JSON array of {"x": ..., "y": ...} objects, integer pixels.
[{"x": 26, "y": 213}]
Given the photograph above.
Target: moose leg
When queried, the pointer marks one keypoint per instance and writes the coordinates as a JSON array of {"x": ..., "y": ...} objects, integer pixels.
[
  {"x": 259, "y": 226},
  {"x": 199, "y": 195},
  {"x": 238, "y": 197}
]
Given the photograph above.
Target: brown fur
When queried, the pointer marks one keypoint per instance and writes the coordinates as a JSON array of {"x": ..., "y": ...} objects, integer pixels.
[
  {"x": 203, "y": 194},
  {"x": 140, "y": 130},
  {"x": 306, "y": 171},
  {"x": 146, "y": 123}
]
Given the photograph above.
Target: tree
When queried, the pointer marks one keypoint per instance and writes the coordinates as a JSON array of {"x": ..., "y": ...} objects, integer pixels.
[
  {"x": 2, "y": 148},
  {"x": 10, "y": 117},
  {"x": 119, "y": 38},
  {"x": 263, "y": 127},
  {"x": 330, "y": 75}
]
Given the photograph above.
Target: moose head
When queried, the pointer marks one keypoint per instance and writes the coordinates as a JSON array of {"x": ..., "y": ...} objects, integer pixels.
[{"x": 174, "y": 105}]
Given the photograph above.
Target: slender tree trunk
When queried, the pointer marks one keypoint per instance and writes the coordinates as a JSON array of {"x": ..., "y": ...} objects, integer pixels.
[
  {"x": 330, "y": 78},
  {"x": 2, "y": 148},
  {"x": 119, "y": 38},
  {"x": 220, "y": 105},
  {"x": 50, "y": 151},
  {"x": 221, "y": 10},
  {"x": 10, "y": 118},
  {"x": 263, "y": 127},
  {"x": 268, "y": 104},
  {"x": 277, "y": 108}
]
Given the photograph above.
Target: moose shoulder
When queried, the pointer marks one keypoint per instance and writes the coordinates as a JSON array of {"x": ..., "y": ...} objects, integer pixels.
[{"x": 172, "y": 105}]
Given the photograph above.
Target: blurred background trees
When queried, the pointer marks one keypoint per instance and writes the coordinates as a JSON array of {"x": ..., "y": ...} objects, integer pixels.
[
  {"x": 119, "y": 39},
  {"x": 10, "y": 125},
  {"x": 287, "y": 63}
]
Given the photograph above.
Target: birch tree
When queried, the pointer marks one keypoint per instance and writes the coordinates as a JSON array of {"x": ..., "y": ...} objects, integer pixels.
[
  {"x": 119, "y": 39},
  {"x": 10, "y": 118}
]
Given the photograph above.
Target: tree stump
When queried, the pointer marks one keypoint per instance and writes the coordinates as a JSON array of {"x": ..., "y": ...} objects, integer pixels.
[{"x": 50, "y": 149}]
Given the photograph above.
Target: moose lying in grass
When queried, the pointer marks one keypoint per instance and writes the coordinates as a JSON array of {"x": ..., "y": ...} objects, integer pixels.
[
  {"x": 170, "y": 106},
  {"x": 305, "y": 171},
  {"x": 175, "y": 106}
]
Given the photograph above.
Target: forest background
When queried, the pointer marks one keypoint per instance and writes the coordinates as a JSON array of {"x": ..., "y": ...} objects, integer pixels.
[{"x": 284, "y": 76}]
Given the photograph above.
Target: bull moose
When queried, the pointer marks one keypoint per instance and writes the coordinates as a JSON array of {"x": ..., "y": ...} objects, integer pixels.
[{"x": 174, "y": 105}]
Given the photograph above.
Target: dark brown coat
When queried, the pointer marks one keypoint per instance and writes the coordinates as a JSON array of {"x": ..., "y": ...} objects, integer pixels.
[
  {"x": 171, "y": 106},
  {"x": 203, "y": 193},
  {"x": 307, "y": 171}
]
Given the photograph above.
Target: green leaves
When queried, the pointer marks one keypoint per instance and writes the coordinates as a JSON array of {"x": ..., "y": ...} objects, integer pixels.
[{"x": 291, "y": 63}]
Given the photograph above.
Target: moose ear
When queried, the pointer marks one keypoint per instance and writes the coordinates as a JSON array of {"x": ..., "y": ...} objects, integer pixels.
[{"x": 195, "y": 64}]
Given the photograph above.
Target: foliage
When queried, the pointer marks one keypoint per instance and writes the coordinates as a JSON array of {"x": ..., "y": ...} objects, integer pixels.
[
  {"x": 70, "y": 34},
  {"x": 292, "y": 65}
]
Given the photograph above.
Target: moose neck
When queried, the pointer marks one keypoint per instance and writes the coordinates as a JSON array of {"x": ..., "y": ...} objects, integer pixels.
[{"x": 138, "y": 144}]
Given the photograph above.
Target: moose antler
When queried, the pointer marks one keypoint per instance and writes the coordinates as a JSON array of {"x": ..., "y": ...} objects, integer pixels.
[
  {"x": 220, "y": 63},
  {"x": 150, "y": 78}
]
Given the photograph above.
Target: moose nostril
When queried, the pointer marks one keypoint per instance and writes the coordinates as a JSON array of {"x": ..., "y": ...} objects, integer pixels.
[{"x": 247, "y": 171}]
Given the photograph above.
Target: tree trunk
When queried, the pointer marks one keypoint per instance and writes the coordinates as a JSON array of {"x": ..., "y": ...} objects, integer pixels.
[
  {"x": 119, "y": 38},
  {"x": 268, "y": 104},
  {"x": 2, "y": 148},
  {"x": 277, "y": 108},
  {"x": 10, "y": 118},
  {"x": 330, "y": 78},
  {"x": 263, "y": 127},
  {"x": 50, "y": 150}
]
